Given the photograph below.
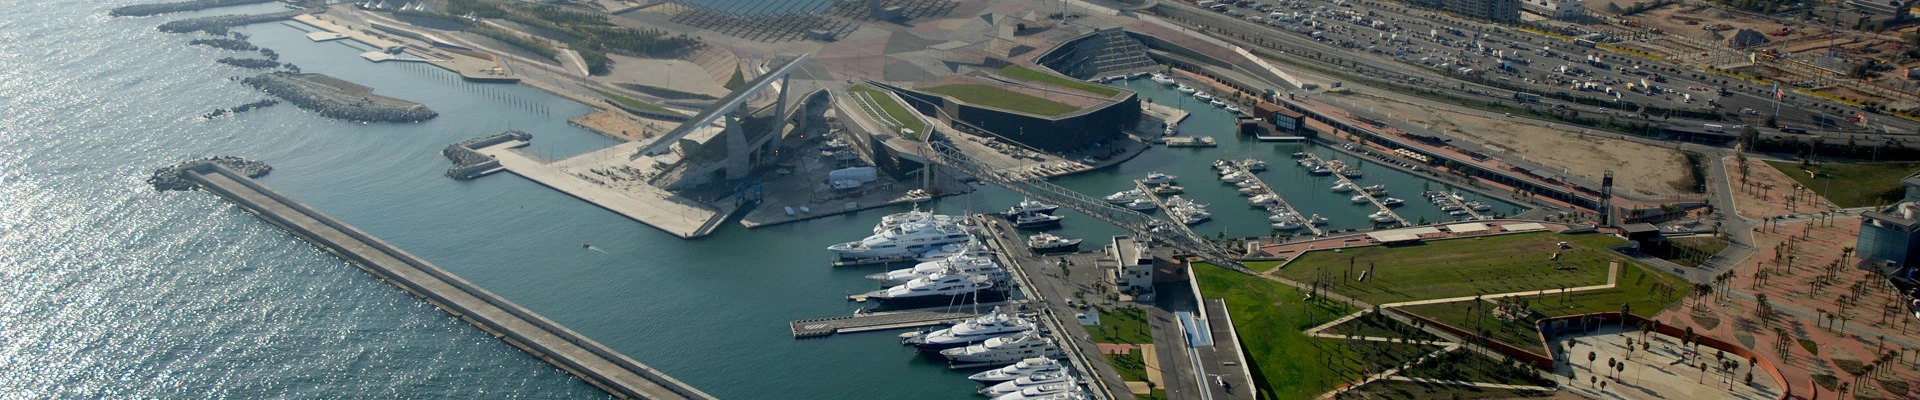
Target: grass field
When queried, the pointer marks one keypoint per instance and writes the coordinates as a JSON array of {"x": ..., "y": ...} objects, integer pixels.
[
  {"x": 990, "y": 96},
  {"x": 633, "y": 103},
  {"x": 1288, "y": 364},
  {"x": 1029, "y": 74},
  {"x": 1375, "y": 326},
  {"x": 1852, "y": 185},
  {"x": 1131, "y": 366},
  {"x": 1644, "y": 291},
  {"x": 1126, "y": 325},
  {"x": 1460, "y": 267},
  {"x": 907, "y": 118}
]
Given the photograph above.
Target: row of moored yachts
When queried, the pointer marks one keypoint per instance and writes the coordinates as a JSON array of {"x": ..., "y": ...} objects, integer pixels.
[
  {"x": 955, "y": 268},
  {"x": 1026, "y": 359}
]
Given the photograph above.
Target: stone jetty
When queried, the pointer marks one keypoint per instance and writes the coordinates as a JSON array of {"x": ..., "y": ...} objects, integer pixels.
[
  {"x": 240, "y": 108},
  {"x": 469, "y": 164},
  {"x": 170, "y": 178},
  {"x": 142, "y": 10},
  {"x": 339, "y": 99},
  {"x": 218, "y": 24},
  {"x": 250, "y": 63},
  {"x": 225, "y": 43}
]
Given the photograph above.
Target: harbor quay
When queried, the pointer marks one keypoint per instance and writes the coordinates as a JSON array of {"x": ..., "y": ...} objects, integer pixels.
[{"x": 578, "y": 355}]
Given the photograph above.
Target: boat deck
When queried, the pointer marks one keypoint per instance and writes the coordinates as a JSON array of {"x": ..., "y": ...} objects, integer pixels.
[{"x": 818, "y": 327}]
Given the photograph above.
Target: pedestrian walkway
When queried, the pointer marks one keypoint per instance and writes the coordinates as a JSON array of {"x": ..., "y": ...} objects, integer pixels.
[{"x": 1474, "y": 384}]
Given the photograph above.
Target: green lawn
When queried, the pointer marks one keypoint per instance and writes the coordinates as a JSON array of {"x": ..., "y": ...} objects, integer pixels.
[
  {"x": 1131, "y": 366},
  {"x": 1029, "y": 74},
  {"x": 1126, "y": 325},
  {"x": 1644, "y": 291},
  {"x": 1852, "y": 185},
  {"x": 1269, "y": 318},
  {"x": 1377, "y": 326},
  {"x": 631, "y": 102},
  {"x": 989, "y": 96},
  {"x": 1460, "y": 267},
  {"x": 908, "y": 119}
]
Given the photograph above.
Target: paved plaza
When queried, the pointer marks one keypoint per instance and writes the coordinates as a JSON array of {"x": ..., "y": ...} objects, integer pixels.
[{"x": 1665, "y": 371}]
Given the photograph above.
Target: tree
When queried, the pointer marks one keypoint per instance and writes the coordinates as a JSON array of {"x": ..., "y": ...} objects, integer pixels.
[
  {"x": 1590, "y": 357},
  {"x": 1703, "y": 373}
]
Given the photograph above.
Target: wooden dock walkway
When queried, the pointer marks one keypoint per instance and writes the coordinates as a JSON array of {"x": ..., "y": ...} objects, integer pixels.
[
  {"x": 818, "y": 327},
  {"x": 1362, "y": 192},
  {"x": 1305, "y": 221},
  {"x": 522, "y": 328}
]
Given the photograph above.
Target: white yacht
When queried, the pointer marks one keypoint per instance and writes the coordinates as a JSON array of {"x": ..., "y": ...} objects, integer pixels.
[
  {"x": 1005, "y": 349},
  {"x": 1287, "y": 223},
  {"x": 1265, "y": 199},
  {"x": 973, "y": 248},
  {"x": 1162, "y": 79},
  {"x": 1392, "y": 202},
  {"x": 1375, "y": 189},
  {"x": 918, "y": 196},
  {"x": 1232, "y": 109},
  {"x": 1203, "y": 96},
  {"x": 960, "y": 263},
  {"x": 1046, "y": 382},
  {"x": 1190, "y": 216},
  {"x": 1048, "y": 243},
  {"x": 1075, "y": 394},
  {"x": 1028, "y": 205},
  {"x": 1381, "y": 216},
  {"x": 1351, "y": 173},
  {"x": 916, "y": 215},
  {"x": 1023, "y": 368},
  {"x": 1343, "y": 187},
  {"x": 1126, "y": 196},
  {"x": 1254, "y": 165},
  {"x": 1156, "y": 178},
  {"x": 1358, "y": 199},
  {"x": 1169, "y": 189},
  {"x": 907, "y": 240},
  {"x": 1142, "y": 205},
  {"x": 1036, "y": 221},
  {"x": 1234, "y": 177},
  {"x": 1316, "y": 219},
  {"x": 994, "y": 324},
  {"x": 1478, "y": 206},
  {"x": 937, "y": 289},
  {"x": 1217, "y": 103}
]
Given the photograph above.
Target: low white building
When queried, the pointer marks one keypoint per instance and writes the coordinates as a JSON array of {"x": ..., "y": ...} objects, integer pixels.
[
  {"x": 1556, "y": 9},
  {"x": 1134, "y": 272}
]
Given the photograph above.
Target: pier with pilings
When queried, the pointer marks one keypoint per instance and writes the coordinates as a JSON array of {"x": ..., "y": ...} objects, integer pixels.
[
  {"x": 1280, "y": 202},
  {"x": 1362, "y": 192},
  {"x": 545, "y": 339}
]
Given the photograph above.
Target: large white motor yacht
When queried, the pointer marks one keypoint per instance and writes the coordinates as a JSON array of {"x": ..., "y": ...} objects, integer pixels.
[
  {"x": 962, "y": 263},
  {"x": 1054, "y": 381},
  {"x": 937, "y": 289},
  {"x": 995, "y": 324},
  {"x": 907, "y": 240},
  {"x": 1005, "y": 349},
  {"x": 1023, "y": 368},
  {"x": 894, "y": 220}
]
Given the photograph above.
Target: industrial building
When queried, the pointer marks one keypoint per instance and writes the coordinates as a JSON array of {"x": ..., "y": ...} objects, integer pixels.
[{"x": 1891, "y": 237}]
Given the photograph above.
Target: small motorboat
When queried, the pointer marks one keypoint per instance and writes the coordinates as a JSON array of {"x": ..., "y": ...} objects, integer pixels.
[
  {"x": 1203, "y": 96},
  {"x": 1234, "y": 177},
  {"x": 913, "y": 196},
  {"x": 1166, "y": 189},
  {"x": 1036, "y": 221},
  {"x": 1183, "y": 88},
  {"x": 1343, "y": 187},
  {"x": 1391, "y": 202},
  {"x": 1381, "y": 216},
  {"x": 1358, "y": 199},
  {"x": 1142, "y": 205},
  {"x": 1162, "y": 79},
  {"x": 1262, "y": 200},
  {"x": 1316, "y": 219},
  {"x": 1156, "y": 178},
  {"x": 1126, "y": 196},
  {"x": 1253, "y": 165},
  {"x": 1048, "y": 243}
]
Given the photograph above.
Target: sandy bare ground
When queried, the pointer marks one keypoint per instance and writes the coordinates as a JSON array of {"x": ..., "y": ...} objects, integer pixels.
[
  {"x": 618, "y": 124},
  {"x": 1640, "y": 170}
]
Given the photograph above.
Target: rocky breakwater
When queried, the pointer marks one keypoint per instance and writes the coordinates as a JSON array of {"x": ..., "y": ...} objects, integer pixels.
[
  {"x": 469, "y": 164},
  {"x": 141, "y": 10},
  {"x": 334, "y": 98},
  {"x": 169, "y": 178},
  {"x": 218, "y": 24}
]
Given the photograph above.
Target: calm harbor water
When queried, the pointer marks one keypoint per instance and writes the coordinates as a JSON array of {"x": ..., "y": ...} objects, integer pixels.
[{"x": 108, "y": 289}]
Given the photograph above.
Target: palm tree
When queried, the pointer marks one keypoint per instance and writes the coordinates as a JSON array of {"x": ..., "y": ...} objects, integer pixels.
[
  {"x": 1590, "y": 357},
  {"x": 1703, "y": 373}
]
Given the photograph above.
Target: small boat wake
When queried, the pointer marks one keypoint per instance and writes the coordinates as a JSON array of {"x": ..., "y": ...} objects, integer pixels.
[{"x": 590, "y": 247}]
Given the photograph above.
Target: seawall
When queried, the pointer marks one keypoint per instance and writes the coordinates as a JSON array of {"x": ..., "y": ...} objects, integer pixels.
[{"x": 544, "y": 339}]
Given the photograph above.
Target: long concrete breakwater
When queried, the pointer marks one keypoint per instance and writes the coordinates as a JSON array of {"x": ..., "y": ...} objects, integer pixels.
[{"x": 595, "y": 363}]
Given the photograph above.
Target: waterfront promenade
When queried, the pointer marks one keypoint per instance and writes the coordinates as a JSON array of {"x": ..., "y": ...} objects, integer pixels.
[
  {"x": 650, "y": 205},
  {"x": 596, "y": 364}
]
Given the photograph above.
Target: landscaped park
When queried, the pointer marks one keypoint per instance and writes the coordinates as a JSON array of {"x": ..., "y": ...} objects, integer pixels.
[{"x": 1496, "y": 285}]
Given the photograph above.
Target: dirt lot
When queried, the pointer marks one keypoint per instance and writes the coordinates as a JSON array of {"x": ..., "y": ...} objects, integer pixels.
[
  {"x": 620, "y": 125},
  {"x": 1640, "y": 170}
]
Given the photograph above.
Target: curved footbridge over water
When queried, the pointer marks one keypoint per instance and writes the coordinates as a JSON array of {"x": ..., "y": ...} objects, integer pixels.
[{"x": 598, "y": 365}]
